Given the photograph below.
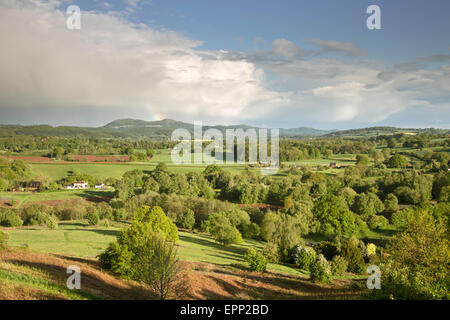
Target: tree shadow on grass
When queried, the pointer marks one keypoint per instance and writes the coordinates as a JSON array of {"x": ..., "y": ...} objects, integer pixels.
[
  {"x": 100, "y": 231},
  {"x": 231, "y": 250},
  {"x": 92, "y": 281},
  {"x": 259, "y": 286},
  {"x": 96, "y": 196}
]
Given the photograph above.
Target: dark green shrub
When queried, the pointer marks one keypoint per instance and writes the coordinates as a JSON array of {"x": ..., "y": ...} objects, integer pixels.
[
  {"x": 271, "y": 252},
  {"x": 256, "y": 261},
  {"x": 303, "y": 257},
  {"x": 400, "y": 219},
  {"x": 353, "y": 253},
  {"x": 338, "y": 266},
  {"x": 93, "y": 218},
  {"x": 320, "y": 270},
  {"x": 328, "y": 249},
  {"x": 188, "y": 219},
  {"x": 36, "y": 219},
  {"x": 221, "y": 229},
  {"x": 250, "y": 230},
  {"x": 120, "y": 214},
  {"x": 8, "y": 218},
  {"x": 376, "y": 222}
]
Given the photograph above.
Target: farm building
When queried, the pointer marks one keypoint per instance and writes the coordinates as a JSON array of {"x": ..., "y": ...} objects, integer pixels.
[
  {"x": 99, "y": 186},
  {"x": 77, "y": 185},
  {"x": 34, "y": 184},
  {"x": 334, "y": 165}
]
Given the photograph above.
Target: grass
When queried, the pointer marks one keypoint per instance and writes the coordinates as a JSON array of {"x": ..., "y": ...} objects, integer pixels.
[
  {"x": 77, "y": 239},
  {"x": 23, "y": 198},
  {"x": 33, "y": 278}
]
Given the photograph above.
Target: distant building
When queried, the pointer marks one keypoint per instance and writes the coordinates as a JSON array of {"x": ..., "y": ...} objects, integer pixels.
[
  {"x": 78, "y": 185},
  {"x": 335, "y": 165},
  {"x": 99, "y": 186},
  {"x": 33, "y": 185}
]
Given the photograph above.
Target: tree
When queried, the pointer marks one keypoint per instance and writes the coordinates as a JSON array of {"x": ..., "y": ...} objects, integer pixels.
[
  {"x": 333, "y": 217},
  {"x": 188, "y": 219},
  {"x": 391, "y": 203},
  {"x": 157, "y": 265},
  {"x": 268, "y": 226},
  {"x": 396, "y": 161},
  {"x": 121, "y": 255},
  {"x": 419, "y": 258},
  {"x": 92, "y": 218},
  {"x": 367, "y": 204},
  {"x": 222, "y": 230},
  {"x": 362, "y": 159}
]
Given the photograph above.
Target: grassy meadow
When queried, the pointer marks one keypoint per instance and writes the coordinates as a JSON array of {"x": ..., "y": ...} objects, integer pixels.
[{"x": 77, "y": 239}]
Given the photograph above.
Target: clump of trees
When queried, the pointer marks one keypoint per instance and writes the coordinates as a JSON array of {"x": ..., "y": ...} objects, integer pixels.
[{"x": 417, "y": 267}]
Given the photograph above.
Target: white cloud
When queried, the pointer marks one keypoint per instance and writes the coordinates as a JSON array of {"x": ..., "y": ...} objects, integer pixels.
[
  {"x": 113, "y": 68},
  {"x": 113, "y": 64}
]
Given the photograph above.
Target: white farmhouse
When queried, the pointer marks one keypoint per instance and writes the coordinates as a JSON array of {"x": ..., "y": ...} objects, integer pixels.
[{"x": 78, "y": 185}]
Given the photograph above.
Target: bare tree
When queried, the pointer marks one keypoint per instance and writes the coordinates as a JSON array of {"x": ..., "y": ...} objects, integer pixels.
[{"x": 157, "y": 265}]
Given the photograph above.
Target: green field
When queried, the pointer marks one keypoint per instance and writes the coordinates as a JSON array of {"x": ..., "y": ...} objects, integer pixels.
[
  {"x": 23, "y": 198},
  {"x": 79, "y": 240}
]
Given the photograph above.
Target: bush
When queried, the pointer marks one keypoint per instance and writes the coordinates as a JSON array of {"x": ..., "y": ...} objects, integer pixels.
[
  {"x": 404, "y": 283},
  {"x": 221, "y": 229},
  {"x": 338, "y": 265},
  {"x": 36, "y": 219},
  {"x": 52, "y": 222},
  {"x": 120, "y": 214},
  {"x": 10, "y": 219},
  {"x": 351, "y": 251},
  {"x": 188, "y": 219},
  {"x": 271, "y": 252},
  {"x": 93, "y": 218},
  {"x": 304, "y": 257},
  {"x": 371, "y": 250},
  {"x": 320, "y": 270},
  {"x": 328, "y": 249},
  {"x": 3, "y": 240},
  {"x": 376, "y": 222},
  {"x": 250, "y": 230},
  {"x": 256, "y": 261},
  {"x": 400, "y": 219}
]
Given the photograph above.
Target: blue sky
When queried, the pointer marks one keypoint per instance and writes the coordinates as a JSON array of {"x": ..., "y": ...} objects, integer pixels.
[
  {"x": 410, "y": 28},
  {"x": 270, "y": 63}
]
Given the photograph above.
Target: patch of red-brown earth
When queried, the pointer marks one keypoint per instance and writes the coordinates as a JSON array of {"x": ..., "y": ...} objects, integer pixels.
[{"x": 77, "y": 158}]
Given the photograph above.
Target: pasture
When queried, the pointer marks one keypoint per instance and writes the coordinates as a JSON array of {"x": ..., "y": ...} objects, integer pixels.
[{"x": 77, "y": 239}]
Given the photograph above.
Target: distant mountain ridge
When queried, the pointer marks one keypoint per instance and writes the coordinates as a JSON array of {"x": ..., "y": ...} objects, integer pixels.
[{"x": 162, "y": 129}]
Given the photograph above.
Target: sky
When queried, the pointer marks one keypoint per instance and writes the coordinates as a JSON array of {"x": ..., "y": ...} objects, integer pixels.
[{"x": 266, "y": 63}]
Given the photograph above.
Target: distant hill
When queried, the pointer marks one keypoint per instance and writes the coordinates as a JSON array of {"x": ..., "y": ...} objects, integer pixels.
[
  {"x": 162, "y": 130},
  {"x": 304, "y": 131},
  {"x": 378, "y": 131}
]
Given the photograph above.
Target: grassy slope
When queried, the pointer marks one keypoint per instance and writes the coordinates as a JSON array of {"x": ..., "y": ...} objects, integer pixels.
[
  {"x": 76, "y": 239},
  {"x": 23, "y": 198},
  {"x": 29, "y": 275}
]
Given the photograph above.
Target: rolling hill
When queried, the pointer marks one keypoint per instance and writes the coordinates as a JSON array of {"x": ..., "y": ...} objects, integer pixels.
[{"x": 162, "y": 130}]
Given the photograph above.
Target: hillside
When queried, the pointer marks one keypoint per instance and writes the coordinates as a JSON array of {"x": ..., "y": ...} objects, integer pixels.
[
  {"x": 162, "y": 130},
  {"x": 28, "y": 275},
  {"x": 377, "y": 131}
]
